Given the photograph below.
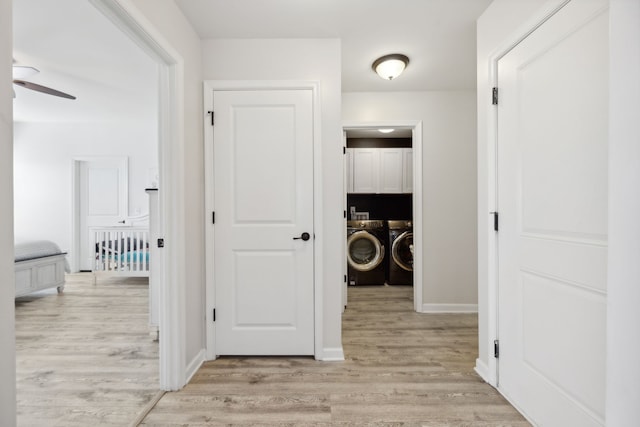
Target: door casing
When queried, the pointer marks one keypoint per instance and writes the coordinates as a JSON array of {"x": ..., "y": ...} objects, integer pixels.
[
  {"x": 210, "y": 301},
  {"x": 416, "y": 144}
]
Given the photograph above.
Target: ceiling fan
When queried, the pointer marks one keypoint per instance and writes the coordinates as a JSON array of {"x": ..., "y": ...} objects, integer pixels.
[{"x": 21, "y": 72}]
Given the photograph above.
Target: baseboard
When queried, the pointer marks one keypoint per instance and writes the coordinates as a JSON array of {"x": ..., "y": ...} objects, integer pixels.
[
  {"x": 482, "y": 369},
  {"x": 194, "y": 365},
  {"x": 449, "y": 308},
  {"x": 335, "y": 354}
]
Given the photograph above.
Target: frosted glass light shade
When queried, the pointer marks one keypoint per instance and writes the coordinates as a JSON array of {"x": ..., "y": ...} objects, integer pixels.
[{"x": 391, "y": 66}]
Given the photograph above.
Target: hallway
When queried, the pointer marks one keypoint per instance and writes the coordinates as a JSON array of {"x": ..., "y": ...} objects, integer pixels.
[{"x": 401, "y": 368}]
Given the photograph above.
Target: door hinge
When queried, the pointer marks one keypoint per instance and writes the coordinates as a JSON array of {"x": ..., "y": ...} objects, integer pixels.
[
  {"x": 496, "y": 349},
  {"x": 344, "y": 150},
  {"x": 345, "y": 278},
  {"x": 212, "y": 114},
  {"x": 344, "y": 213},
  {"x": 214, "y": 314},
  {"x": 161, "y": 243},
  {"x": 494, "y": 96},
  {"x": 495, "y": 220},
  {"x": 213, "y": 217}
]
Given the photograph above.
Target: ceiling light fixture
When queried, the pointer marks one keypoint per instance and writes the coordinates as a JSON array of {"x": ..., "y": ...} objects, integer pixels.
[
  {"x": 390, "y": 66},
  {"x": 385, "y": 130}
]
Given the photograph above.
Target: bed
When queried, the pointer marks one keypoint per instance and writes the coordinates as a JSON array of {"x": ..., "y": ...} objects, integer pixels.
[{"x": 39, "y": 265}]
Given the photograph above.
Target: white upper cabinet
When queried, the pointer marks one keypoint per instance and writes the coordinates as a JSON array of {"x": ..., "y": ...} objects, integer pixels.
[
  {"x": 379, "y": 170},
  {"x": 390, "y": 170},
  {"x": 407, "y": 170},
  {"x": 348, "y": 169},
  {"x": 366, "y": 170}
]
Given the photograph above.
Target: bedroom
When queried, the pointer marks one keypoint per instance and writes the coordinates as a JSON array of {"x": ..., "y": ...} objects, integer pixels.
[{"x": 55, "y": 139}]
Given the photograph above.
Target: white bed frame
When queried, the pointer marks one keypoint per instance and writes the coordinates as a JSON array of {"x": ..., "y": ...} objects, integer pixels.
[{"x": 41, "y": 273}]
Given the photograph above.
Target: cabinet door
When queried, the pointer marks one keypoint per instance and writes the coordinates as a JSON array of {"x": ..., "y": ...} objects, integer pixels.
[
  {"x": 407, "y": 170},
  {"x": 349, "y": 169},
  {"x": 366, "y": 165},
  {"x": 391, "y": 160}
]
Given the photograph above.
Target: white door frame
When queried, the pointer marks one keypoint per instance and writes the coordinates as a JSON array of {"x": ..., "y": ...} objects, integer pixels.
[
  {"x": 545, "y": 13},
  {"x": 416, "y": 144},
  {"x": 75, "y": 208},
  {"x": 217, "y": 85},
  {"x": 172, "y": 311}
]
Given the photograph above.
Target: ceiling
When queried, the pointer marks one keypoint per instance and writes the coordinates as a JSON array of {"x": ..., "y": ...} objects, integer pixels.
[
  {"x": 439, "y": 36},
  {"x": 78, "y": 51}
]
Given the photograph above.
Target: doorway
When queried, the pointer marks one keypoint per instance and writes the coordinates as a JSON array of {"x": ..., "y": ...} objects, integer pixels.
[{"x": 414, "y": 130}]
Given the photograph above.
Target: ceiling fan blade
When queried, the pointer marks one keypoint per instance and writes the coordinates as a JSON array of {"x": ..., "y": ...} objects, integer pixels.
[
  {"x": 24, "y": 71},
  {"x": 43, "y": 89}
]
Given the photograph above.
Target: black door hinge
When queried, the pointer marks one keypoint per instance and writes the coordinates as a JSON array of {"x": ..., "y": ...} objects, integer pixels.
[
  {"x": 344, "y": 214},
  {"x": 213, "y": 217},
  {"x": 494, "y": 96},
  {"x": 496, "y": 349},
  {"x": 161, "y": 243},
  {"x": 344, "y": 150},
  {"x": 495, "y": 220},
  {"x": 214, "y": 314},
  {"x": 345, "y": 278},
  {"x": 212, "y": 114}
]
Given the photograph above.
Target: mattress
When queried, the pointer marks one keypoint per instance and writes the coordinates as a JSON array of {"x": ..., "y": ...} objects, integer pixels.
[{"x": 35, "y": 249}]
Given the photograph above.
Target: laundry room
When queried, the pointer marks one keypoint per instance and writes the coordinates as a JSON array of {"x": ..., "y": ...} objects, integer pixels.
[{"x": 379, "y": 200}]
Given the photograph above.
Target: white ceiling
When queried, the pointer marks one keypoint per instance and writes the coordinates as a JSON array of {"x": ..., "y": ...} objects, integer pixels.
[
  {"x": 439, "y": 36},
  {"x": 78, "y": 51}
]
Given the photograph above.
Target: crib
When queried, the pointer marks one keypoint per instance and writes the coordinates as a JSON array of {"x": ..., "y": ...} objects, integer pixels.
[{"x": 121, "y": 250}]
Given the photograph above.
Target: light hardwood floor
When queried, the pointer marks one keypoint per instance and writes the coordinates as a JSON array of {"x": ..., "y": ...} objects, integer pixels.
[
  {"x": 85, "y": 357},
  {"x": 401, "y": 369}
]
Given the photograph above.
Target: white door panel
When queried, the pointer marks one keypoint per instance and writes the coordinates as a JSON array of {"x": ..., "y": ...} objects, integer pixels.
[
  {"x": 103, "y": 200},
  {"x": 263, "y": 160},
  {"x": 552, "y": 200}
]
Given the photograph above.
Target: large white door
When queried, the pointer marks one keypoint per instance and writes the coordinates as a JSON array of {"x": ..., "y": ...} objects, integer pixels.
[
  {"x": 552, "y": 238},
  {"x": 102, "y": 200},
  {"x": 263, "y": 190}
]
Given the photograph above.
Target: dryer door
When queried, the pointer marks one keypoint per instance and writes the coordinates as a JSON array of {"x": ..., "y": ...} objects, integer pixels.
[
  {"x": 402, "y": 250},
  {"x": 364, "y": 251}
]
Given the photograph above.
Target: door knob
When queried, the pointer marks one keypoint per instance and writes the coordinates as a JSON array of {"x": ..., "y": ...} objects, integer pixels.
[{"x": 304, "y": 236}]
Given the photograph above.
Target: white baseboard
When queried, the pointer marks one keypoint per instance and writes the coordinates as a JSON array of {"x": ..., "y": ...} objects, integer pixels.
[
  {"x": 194, "y": 365},
  {"x": 482, "y": 369},
  {"x": 335, "y": 354},
  {"x": 449, "y": 308}
]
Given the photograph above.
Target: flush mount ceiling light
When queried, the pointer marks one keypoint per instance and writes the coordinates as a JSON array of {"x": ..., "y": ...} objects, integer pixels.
[
  {"x": 390, "y": 66},
  {"x": 385, "y": 130}
]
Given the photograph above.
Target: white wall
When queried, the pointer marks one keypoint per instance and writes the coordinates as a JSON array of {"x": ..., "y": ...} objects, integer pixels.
[
  {"x": 173, "y": 27},
  {"x": 43, "y": 154},
  {"x": 501, "y": 19},
  {"x": 7, "y": 292},
  {"x": 318, "y": 60},
  {"x": 449, "y": 182},
  {"x": 623, "y": 310}
]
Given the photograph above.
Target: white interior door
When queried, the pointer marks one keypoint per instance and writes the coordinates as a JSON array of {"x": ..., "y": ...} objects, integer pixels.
[
  {"x": 102, "y": 200},
  {"x": 263, "y": 166},
  {"x": 552, "y": 239}
]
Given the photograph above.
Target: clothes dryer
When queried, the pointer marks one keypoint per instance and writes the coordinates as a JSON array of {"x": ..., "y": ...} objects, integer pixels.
[
  {"x": 365, "y": 252},
  {"x": 401, "y": 257}
]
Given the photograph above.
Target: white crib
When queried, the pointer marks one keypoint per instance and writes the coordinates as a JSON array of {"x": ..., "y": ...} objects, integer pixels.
[{"x": 121, "y": 250}]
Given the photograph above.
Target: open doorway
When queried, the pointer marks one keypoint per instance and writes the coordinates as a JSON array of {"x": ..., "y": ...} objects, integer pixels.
[{"x": 394, "y": 195}]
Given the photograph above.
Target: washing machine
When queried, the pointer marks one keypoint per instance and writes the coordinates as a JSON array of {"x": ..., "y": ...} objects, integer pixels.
[
  {"x": 366, "y": 252},
  {"x": 401, "y": 252}
]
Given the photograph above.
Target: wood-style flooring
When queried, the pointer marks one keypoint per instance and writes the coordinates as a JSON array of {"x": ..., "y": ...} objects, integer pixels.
[
  {"x": 401, "y": 369},
  {"x": 85, "y": 357}
]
